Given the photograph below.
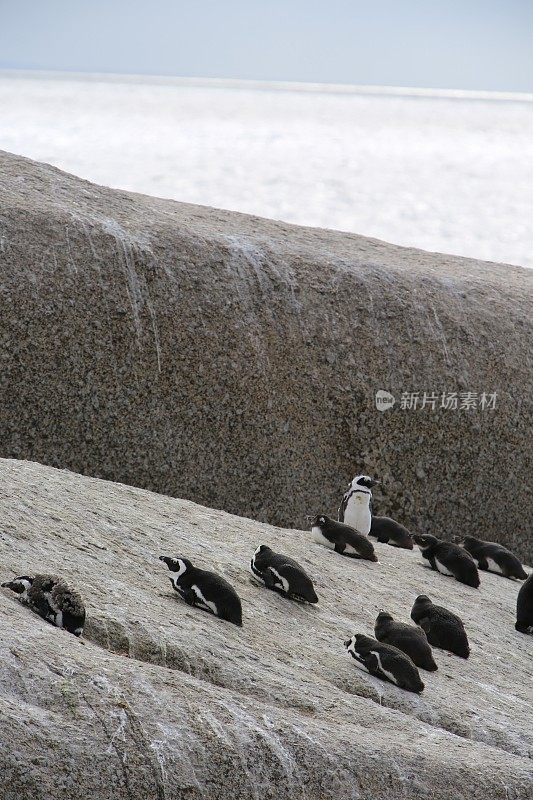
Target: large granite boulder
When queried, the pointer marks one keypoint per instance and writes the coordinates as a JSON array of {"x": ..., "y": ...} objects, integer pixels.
[
  {"x": 159, "y": 700},
  {"x": 235, "y": 361}
]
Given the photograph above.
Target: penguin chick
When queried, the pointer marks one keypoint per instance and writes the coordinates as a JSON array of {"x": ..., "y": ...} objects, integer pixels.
[
  {"x": 524, "y": 607},
  {"x": 385, "y": 662},
  {"x": 448, "y": 559},
  {"x": 283, "y": 574},
  {"x": 442, "y": 628},
  {"x": 51, "y": 598},
  {"x": 493, "y": 557},
  {"x": 388, "y": 531},
  {"x": 205, "y": 590},
  {"x": 356, "y": 506},
  {"x": 342, "y": 538},
  {"x": 410, "y": 640}
]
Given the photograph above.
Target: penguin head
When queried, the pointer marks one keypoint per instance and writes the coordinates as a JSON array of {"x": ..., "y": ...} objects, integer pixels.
[
  {"x": 424, "y": 540},
  {"x": 178, "y": 564},
  {"x": 384, "y": 617},
  {"x": 422, "y": 600},
  {"x": 20, "y": 585},
  {"x": 320, "y": 521},
  {"x": 470, "y": 543},
  {"x": 263, "y": 548},
  {"x": 359, "y": 643},
  {"x": 349, "y": 643},
  {"x": 365, "y": 481}
]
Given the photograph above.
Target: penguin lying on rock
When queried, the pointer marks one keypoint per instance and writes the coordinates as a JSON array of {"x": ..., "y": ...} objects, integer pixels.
[
  {"x": 51, "y": 598},
  {"x": 524, "y": 607},
  {"x": 205, "y": 590},
  {"x": 493, "y": 557},
  {"x": 356, "y": 506},
  {"x": 385, "y": 662},
  {"x": 442, "y": 628},
  {"x": 282, "y": 574},
  {"x": 449, "y": 559},
  {"x": 342, "y": 538},
  {"x": 388, "y": 531},
  {"x": 410, "y": 640}
]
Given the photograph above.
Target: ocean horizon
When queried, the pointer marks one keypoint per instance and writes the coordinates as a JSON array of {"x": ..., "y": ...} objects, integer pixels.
[{"x": 443, "y": 170}]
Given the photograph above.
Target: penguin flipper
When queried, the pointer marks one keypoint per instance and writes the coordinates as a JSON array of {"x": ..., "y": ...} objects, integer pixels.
[
  {"x": 271, "y": 582},
  {"x": 483, "y": 564},
  {"x": 189, "y": 596},
  {"x": 342, "y": 507},
  {"x": 339, "y": 548}
]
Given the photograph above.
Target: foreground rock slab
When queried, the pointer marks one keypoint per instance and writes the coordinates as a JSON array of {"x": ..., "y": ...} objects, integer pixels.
[
  {"x": 235, "y": 361},
  {"x": 159, "y": 700}
]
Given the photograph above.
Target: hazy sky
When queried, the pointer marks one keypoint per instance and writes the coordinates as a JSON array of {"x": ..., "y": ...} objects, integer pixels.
[{"x": 459, "y": 44}]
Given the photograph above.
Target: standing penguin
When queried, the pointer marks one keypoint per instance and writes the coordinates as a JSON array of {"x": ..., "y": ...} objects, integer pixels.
[
  {"x": 493, "y": 557},
  {"x": 410, "y": 640},
  {"x": 51, "y": 598},
  {"x": 356, "y": 509},
  {"x": 442, "y": 628},
  {"x": 388, "y": 531},
  {"x": 524, "y": 607},
  {"x": 282, "y": 574},
  {"x": 342, "y": 538},
  {"x": 385, "y": 662},
  {"x": 205, "y": 590},
  {"x": 449, "y": 559}
]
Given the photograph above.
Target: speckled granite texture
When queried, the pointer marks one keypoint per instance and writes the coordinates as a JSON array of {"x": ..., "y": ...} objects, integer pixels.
[{"x": 234, "y": 360}]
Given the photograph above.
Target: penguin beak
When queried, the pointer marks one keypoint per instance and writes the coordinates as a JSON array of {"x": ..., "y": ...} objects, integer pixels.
[
  {"x": 347, "y": 642},
  {"x": 375, "y": 483}
]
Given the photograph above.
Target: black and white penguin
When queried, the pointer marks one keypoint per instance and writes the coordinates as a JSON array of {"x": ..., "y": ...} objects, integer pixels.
[
  {"x": 449, "y": 559},
  {"x": 205, "y": 590},
  {"x": 442, "y": 628},
  {"x": 493, "y": 557},
  {"x": 524, "y": 607},
  {"x": 282, "y": 574},
  {"x": 342, "y": 538},
  {"x": 388, "y": 531},
  {"x": 356, "y": 507},
  {"x": 51, "y": 598},
  {"x": 410, "y": 640},
  {"x": 385, "y": 662}
]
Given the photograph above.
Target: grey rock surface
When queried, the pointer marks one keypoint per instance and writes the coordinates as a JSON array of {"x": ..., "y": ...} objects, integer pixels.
[
  {"x": 234, "y": 360},
  {"x": 159, "y": 700}
]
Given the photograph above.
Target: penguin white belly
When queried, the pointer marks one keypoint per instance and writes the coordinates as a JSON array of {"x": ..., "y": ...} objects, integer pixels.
[
  {"x": 283, "y": 582},
  {"x": 442, "y": 568},
  {"x": 493, "y": 566},
  {"x": 389, "y": 675},
  {"x": 207, "y": 604},
  {"x": 349, "y": 549},
  {"x": 357, "y": 513},
  {"x": 320, "y": 539}
]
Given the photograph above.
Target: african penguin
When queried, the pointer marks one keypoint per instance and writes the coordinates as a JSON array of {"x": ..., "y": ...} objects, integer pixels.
[
  {"x": 355, "y": 509},
  {"x": 448, "y": 559},
  {"x": 342, "y": 538},
  {"x": 524, "y": 607},
  {"x": 385, "y": 662},
  {"x": 51, "y": 598},
  {"x": 205, "y": 590},
  {"x": 410, "y": 640},
  {"x": 388, "y": 531},
  {"x": 282, "y": 574},
  {"x": 493, "y": 557},
  {"x": 442, "y": 628}
]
